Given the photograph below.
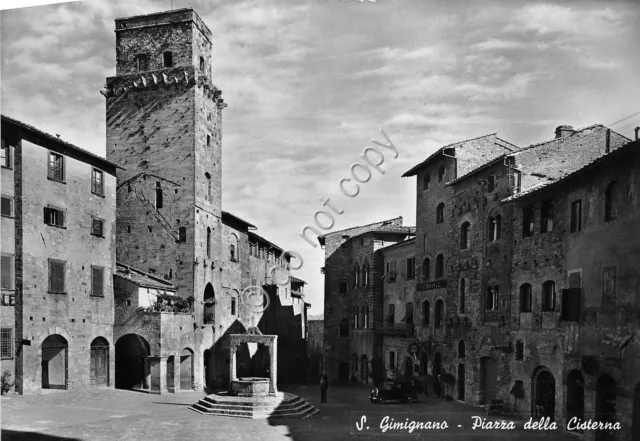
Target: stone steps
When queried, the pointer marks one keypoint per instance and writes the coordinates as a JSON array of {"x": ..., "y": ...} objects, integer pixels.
[{"x": 290, "y": 408}]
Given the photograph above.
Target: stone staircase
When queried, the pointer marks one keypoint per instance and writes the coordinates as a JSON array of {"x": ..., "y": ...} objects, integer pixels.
[{"x": 283, "y": 406}]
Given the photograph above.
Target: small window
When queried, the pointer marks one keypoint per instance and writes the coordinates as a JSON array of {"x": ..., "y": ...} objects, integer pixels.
[
  {"x": 439, "y": 314},
  {"x": 6, "y": 343},
  {"x": 440, "y": 213},
  {"x": 97, "y": 281},
  {"x": 232, "y": 253},
  {"x": 158, "y": 195},
  {"x": 549, "y": 296},
  {"x": 142, "y": 62},
  {"x": 56, "y": 276},
  {"x": 182, "y": 234},
  {"x": 209, "y": 189},
  {"x": 97, "y": 182},
  {"x": 411, "y": 268},
  {"x": 463, "y": 292},
  {"x": 391, "y": 313},
  {"x": 7, "y": 206},
  {"x": 576, "y": 216},
  {"x": 7, "y": 271},
  {"x": 56, "y": 167},
  {"x": 611, "y": 202},
  {"x": 491, "y": 182},
  {"x": 426, "y": 268},
  {"x": 128, "y": 228},
  {"x": 129, "y": 188},
  {"x": 464, "y": 236},
  {"x": 392, "y": 360},
  {"x": 408, "y": 317},
  {"x": 202, "y": 64},
  {"x": 525, "y": 298},
  {"x": 344, "y": 328},
  {"x": 5, "y": 159},
  {"x": 233, "y": 306},
  {"x": 441, "y": 173},
  {"x": 439, "y": 266},
  {"x": 519, "y": 350},
  {"x": 546, "y": 217},
  {"x": 571, "y": 304},
  {"x": 528, "y": 221},
  {"x": 425, "y": 181},
  {"x": 208, "y": 140},
  {"x": 167, "y": 59},
  {"x": 491, "y": 298},
  {"x": 426, "y": 311},
  {"x": 97, "y": 227},
  {"x": 208, "y": 242},
  {"x": 53, "y": 216},
  {"x": 494, "y": 228}
]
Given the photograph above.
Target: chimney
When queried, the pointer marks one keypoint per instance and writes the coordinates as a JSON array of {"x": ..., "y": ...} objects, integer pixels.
[
  {"x": 562, "y": 131},
  {"x": 636, "y": 129}
]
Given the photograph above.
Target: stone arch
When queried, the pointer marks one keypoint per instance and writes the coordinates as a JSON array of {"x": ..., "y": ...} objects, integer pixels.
[
  {"x": 132, "y": 365},
  {"x": 543, "y": 393},
  {"x": 99, "y": 362},
  {"x": 209, "y": 304},
  {"x": 51, "y": 331},
  {"x": 55, "y": 362},
  {"x": 186, "y": 368}
]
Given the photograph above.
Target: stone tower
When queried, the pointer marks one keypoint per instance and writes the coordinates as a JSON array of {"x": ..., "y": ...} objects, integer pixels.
[{"x": 164, "y": 120}]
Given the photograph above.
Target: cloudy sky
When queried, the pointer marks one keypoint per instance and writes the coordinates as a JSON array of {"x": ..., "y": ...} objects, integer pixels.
[{"x": 310, "y": 83}]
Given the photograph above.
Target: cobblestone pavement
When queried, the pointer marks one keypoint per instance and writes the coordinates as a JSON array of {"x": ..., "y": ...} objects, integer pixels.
[{"x": 123, "y": 415}]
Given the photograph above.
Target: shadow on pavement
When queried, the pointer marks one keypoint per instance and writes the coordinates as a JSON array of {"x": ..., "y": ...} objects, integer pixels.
[{"x": 16, "y": 435}]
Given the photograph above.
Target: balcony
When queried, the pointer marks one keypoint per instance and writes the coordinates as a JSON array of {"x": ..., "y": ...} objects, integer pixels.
[{"x": 395, "y": 329}]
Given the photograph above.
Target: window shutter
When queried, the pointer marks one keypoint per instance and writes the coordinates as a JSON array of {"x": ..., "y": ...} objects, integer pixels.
[
  {"x": 6, "y": 272},
  {"x": 47, "y": 215},
  {"x": 57, "y": 277},
  {"x": 60, "y": 218}
]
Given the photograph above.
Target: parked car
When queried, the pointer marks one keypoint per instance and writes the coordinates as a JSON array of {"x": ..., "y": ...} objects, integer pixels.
[{"x": 398, "y": 391}]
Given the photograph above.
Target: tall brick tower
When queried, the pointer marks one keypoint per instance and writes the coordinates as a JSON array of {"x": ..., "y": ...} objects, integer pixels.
[{"x": 164, "y": 119}]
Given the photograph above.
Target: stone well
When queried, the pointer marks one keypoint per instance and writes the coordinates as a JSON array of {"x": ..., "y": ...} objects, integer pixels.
[{"x": 250, "y": 387}]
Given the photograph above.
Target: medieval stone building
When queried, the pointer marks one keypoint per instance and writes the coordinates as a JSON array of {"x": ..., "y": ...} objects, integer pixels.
[{"x": 58, "y": 230}]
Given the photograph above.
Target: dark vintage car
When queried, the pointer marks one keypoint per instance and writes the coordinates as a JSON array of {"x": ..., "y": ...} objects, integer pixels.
[{"x": 398, "y": 391}]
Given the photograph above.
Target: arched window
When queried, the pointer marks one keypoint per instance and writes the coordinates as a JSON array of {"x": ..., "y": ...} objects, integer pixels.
[
  {"x": 461, "y": 349},
  {"x": 426, "y": 268},
  {"x": 208, "y": 242},
  {"x": 356, "y": 276},
  {"x": 365, "y": 312},
  {"x": 233, "y": 306},
  {"x": 234, "y": 251},
  {"x": 202, "y": 64},
  {"x": 463, "y": 291},
  {"x": 365, "y": 278},
  {"x": 408, "y": 317},
  {"x": 344, "y": 328},
  {"x": 440, "y": 213},
  {"x": 549, "y": 296},
  {"x": 611, "y": 202},
  {"x": 546, "y": 216},
  {"x": 158, "y": 195},
  {"x": 440, "y": 173},
  {"x": 494, "y": 228},
  {"x": 439, "y": 314},
  {"x": 464, "y": 236},
  {"x": 525, "y": 297},
  {"x": 167, "y": 58},
  {"x": 439, "y": 266},
  {"x": 425, "y": 181},
  {"x": 491, "y": 182},
  {"x": 208, "y": 176},
  {"x": 426, "y": 311},
  {"x": 491, "y": 298},
  {"x": 391, "y": 315},
  {"x": 356, "y": 319}
]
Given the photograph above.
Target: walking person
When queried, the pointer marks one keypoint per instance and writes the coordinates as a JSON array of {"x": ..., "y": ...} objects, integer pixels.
[{"x": 324, "y": 385}]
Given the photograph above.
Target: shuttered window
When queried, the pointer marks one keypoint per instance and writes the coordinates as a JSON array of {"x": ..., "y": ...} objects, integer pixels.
[
  {"x": 7, "y": 272},
  {"x": 56, "y": 167},
  {"x": 53, "y": 216},
  {"x": 6, "y": 206},
  {"x": 56, "y": 276},
  {"x": 97, "y": 281},
  {"x": 97, "y": 182},
  {"x": 97, "y": 227}
]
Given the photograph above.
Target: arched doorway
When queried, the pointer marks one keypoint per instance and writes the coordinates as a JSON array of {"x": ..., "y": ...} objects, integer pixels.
[
  {"x": 635, "y": 422},
  {"x": 575, "y": 396},
  {"x": 488, "y": 379},
  {"x": 544, "y": 393},
  {"x": 364, "y": 369},
  {"x": 132, "y": 352},
  {"x": 99, "y": 365},
  {"x": 408, "y": 368},
  {"x": 461, "y": 381},
  {"x": 605, "y": 406},
  {"x": 186, "y": 369},
  {"x": 171, "y": 370},
  {"x": 209, "y": 304},
  {"x": 55, "y": 356}
]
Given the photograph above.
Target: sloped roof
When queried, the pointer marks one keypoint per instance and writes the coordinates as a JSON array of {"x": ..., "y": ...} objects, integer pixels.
[
  {"x": 60, "y": 142},
  {"x": 615, "y": 154},
  {"x": 482, "y": 149},
  {"x": 398, "y": 244},
  {"x": 236, "y": 218},
  {"x": 361, "y": 229},
  {"x": 141, "y": 278}
]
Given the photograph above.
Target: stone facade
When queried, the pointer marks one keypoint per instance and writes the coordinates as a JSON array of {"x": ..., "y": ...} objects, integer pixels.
[
  {"x": 61, "y": 263},
  {"x": 353, "y": 298}
]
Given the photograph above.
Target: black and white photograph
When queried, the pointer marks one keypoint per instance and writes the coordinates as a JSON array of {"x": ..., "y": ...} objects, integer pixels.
[{"x": 313, "y": 220}]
